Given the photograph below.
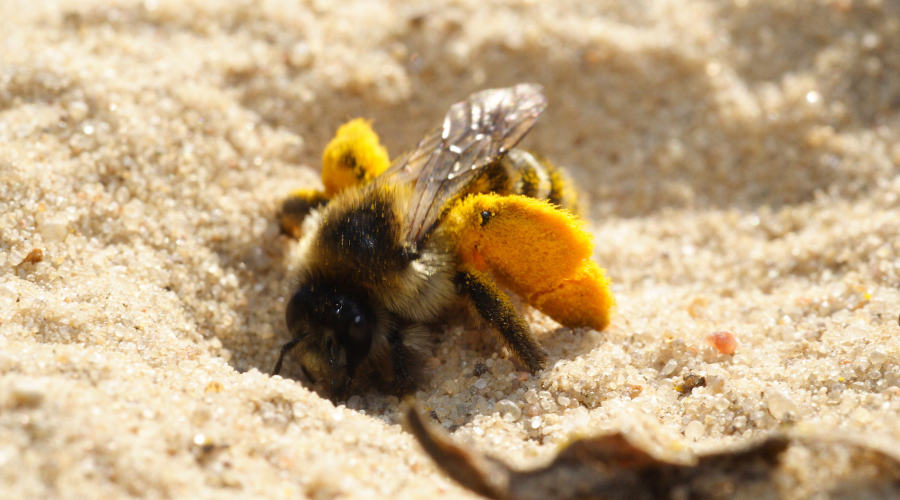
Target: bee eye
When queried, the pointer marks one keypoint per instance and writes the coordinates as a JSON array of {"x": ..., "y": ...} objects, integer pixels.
[
  {"x": 353, "y": 331},
  {"x": 358, "y": 331},
  {"x": 356, "y": 328},
  {"x": 297, "y": 310}
]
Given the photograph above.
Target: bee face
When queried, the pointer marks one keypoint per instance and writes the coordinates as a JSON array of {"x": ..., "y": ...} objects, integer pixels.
[{"x": 335, "y": 326}]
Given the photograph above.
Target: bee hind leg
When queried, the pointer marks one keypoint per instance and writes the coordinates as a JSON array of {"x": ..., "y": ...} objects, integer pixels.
[
  {"x": 402, "y": 361},
  {"x": 496, "y": 308}
]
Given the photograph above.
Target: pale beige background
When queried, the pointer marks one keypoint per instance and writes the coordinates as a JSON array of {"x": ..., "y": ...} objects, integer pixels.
[{"x": 741, "y": 158}]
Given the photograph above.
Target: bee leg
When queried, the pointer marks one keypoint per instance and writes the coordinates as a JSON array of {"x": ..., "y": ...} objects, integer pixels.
[
  {"x": 284, "y": 350},
  {"x": 539, "y": 252},
  {"x": 295, "y": 209},
  {"x": 495, "y": 307},
  {"x": 401, "y": 359}
]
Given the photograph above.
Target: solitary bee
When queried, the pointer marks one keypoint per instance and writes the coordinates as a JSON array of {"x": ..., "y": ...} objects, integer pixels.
[{"x": 388, "y": 248}]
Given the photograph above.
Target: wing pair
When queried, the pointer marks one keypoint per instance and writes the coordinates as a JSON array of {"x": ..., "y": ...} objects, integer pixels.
[{"x": 476, "y": 133}]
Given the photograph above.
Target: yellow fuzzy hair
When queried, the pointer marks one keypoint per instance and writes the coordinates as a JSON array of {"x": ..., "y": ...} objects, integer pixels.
[
  {"x": 355, "y": 156},
  {"x": 536, "y": 250}
]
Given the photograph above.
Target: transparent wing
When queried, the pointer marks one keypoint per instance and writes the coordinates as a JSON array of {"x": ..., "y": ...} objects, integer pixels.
[{"x": 476, "y": 132}]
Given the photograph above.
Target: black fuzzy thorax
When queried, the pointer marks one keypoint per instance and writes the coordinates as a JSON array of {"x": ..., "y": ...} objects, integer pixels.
[{"x": 362, "y": 238}]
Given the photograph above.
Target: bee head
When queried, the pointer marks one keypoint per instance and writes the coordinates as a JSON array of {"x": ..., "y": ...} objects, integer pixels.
[{"x": 333, "y": 327}]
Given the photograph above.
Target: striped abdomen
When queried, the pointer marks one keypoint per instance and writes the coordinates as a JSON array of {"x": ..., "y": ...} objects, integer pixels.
[{"x": 525, "y": 173}]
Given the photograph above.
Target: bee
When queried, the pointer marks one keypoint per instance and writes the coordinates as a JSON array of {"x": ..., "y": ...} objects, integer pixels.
[{"x": 389, "y": 247}]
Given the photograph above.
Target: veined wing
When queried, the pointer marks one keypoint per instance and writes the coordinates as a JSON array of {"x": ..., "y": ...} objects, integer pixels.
[{"x": 476, "y": 132}]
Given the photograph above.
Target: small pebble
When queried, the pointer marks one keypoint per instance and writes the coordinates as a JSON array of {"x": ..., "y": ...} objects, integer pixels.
[
  {"x": 669, "y": 368},
  {"x": 355, "y": 402},
  {"x": 780, "y": 404},
  {"x": 694, "y": 429},
  {"x": 214, "y": 386},
  {"x": 532, "y": 410},
  {"x": 34, "y": 256},
  {"x": 507, "y": 407},
  {"x": 549, "y": 406},
  {"x": 27, "y": 394},
  {"x": 724, "y": 342},
  {"x": 54, "y": 229},
  {"x": 691, "y": 382}
]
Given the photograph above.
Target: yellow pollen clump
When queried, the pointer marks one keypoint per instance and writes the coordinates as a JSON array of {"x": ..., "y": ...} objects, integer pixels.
[
  {"x": 536, "y": 250},
  {"x": 355, "y": 156}
]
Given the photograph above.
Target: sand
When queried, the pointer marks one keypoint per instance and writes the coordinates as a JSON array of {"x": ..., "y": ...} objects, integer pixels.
[{"x": 741, "y": 160}]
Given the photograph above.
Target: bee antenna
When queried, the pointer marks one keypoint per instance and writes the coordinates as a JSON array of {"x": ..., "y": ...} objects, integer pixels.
[{"x": 284, "y": 350}]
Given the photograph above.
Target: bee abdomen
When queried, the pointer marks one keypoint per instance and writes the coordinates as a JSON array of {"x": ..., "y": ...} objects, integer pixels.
[{"x": 534, "y": 176}]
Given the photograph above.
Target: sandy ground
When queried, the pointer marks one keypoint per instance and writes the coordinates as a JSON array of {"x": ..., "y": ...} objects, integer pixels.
[{"x": 741, "y": 158}]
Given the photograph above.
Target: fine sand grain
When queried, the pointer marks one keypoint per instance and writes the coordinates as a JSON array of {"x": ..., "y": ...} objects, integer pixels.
[{"x": 741, "y": 158}]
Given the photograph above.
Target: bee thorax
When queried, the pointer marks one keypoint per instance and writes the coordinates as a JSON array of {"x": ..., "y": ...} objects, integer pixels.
[{"x": 364, "y": 238}]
